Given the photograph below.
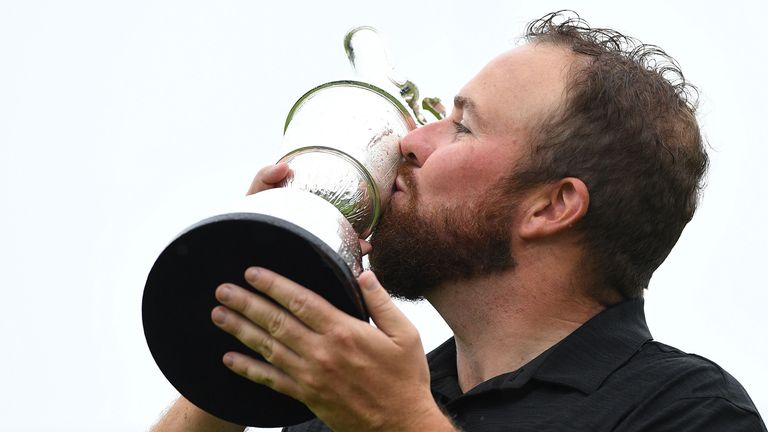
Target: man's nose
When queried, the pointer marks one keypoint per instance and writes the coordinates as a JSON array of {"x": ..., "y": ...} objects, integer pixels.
[{"x": 420, "y": 143}]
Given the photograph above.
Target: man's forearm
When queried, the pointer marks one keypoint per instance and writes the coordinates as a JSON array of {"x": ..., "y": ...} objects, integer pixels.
[{"x": 183, "y": 416}]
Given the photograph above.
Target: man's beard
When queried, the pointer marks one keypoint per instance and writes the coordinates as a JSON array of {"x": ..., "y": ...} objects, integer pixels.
[{"x": 415, "y": 250}]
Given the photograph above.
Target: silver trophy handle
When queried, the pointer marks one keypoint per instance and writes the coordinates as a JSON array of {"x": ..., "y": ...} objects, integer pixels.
[{"x": 369, "y": 57}]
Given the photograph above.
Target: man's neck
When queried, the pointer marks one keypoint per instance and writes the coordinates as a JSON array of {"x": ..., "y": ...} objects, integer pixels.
[{"x": 500, "y": 322}]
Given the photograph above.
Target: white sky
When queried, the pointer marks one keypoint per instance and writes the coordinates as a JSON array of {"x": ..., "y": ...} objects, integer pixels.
[{"x": 121, "y": 123}]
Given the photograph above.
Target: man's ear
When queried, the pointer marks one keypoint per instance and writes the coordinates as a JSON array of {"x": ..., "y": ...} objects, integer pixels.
[{"x": 554, "y": 207}]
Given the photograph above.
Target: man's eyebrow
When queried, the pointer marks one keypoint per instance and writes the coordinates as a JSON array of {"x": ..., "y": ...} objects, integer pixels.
[{"x": 465, "y": 103}]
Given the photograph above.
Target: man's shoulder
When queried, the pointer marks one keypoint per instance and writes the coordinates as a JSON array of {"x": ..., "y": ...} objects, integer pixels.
[
  {"x": 663, "y": 388},
  {"x": 669, "y": 374}
]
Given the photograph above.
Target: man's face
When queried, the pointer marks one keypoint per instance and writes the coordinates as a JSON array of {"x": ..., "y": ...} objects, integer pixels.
[{"x": 450, "y": 218}]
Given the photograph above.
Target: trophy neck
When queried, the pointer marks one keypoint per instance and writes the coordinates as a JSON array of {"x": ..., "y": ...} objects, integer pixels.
[{"x": 338, "y": 178}]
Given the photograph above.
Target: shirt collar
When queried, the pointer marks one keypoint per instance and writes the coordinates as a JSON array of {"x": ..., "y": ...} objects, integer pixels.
[
  {"x": 587, "y": 357},
  {"x": 583, "y": 360}
]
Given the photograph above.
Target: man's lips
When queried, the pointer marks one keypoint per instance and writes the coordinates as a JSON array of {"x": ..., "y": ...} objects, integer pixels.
[{"x": 403, "y": 181}]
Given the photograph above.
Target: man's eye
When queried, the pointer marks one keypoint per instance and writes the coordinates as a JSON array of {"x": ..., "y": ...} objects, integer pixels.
[{"x": 460, "y": 128}]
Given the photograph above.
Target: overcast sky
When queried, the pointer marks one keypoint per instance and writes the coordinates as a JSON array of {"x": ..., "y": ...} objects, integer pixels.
[{"x": 121, "y": 123}]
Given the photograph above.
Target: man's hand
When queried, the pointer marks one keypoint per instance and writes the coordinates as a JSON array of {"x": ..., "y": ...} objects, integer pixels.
[
  {"x": 269, "y": 177},
  {"x": 353, "y": 376}
]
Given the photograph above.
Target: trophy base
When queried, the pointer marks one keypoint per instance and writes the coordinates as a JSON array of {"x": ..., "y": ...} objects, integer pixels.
[{"x": 179, "y": 297}]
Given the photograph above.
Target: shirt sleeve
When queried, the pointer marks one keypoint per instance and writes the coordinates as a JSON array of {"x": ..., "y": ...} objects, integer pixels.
[{"x": 700, "y": 414}]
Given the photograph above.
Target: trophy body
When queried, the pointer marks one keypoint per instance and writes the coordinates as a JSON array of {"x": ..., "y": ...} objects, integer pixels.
[{"x": 343, "y": 152}]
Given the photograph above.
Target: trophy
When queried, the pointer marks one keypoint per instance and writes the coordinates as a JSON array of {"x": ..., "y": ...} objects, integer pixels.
[{"x": 343, "y": 152}]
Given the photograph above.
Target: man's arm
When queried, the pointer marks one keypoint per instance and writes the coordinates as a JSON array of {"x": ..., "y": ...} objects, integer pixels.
[{"x": 183, "y": 416}]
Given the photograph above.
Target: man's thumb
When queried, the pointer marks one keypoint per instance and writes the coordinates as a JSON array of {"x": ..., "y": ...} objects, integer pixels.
[{"x": 385, "y": 313}]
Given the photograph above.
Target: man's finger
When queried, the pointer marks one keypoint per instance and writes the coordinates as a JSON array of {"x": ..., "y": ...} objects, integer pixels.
[
  {"x": 262, "y": 373},
  {"x": 268, "y": 177},
  {"x": 310, "y": 308},
  {"x": 273, "y": 319},
  {"x": 255, "y": 338},
  {"x": 387, "y": 316}
]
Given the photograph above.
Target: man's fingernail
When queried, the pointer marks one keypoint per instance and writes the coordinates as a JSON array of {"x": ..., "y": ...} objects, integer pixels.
[
  {"x": 224, "y": 292},
  {"x": 229, "y": 359},
  {"x": 369, "y": 283},
  {"x": 277, "y": 168},
  {"x": 219, "y": 316},
  {"x": 252, "y": 273}
]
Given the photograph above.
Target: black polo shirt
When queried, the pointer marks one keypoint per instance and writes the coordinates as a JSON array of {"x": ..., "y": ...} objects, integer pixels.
[{"x": 608, "y": 375}]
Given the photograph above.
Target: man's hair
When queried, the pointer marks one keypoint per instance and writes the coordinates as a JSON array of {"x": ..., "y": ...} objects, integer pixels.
[{"x": 628, "y": 130}]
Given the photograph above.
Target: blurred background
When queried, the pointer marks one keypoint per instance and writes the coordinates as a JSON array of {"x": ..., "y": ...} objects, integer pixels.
[{"x": 121, "y": 123}]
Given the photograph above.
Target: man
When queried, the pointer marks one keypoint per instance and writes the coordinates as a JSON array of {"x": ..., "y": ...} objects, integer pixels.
[{"x": 532, "y": 219}]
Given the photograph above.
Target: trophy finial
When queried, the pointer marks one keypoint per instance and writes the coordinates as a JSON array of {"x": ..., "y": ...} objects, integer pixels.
[{"x": 369, "y": 57}]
